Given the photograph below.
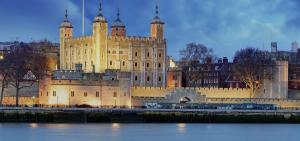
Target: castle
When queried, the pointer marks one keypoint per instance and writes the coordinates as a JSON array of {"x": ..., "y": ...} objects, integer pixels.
[{"x": 143, "y": 57}]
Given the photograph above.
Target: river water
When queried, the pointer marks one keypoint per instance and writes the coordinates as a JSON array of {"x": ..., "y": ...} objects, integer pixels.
[{"x": 149, "y": 132}]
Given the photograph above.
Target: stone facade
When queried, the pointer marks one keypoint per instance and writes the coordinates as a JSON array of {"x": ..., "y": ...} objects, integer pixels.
[
  {"x": 95, "y": 90},
  {"x": 143, "y": 57}
]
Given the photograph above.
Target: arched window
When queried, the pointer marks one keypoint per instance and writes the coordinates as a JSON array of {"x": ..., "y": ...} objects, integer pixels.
[{"x": 148, "y": 78}]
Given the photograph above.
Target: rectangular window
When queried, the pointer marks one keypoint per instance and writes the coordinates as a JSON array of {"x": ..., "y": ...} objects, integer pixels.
[
  {"x": 115, "y": 94},
  {"x": 54, "y": 93},
  {"x": 97, "y": 94},
  {"x": 85, "y": 94},
  {"x": 72, "y": 93}
]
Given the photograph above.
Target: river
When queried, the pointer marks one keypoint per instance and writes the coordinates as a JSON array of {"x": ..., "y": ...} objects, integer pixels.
[{"x": 149, "y": 132}]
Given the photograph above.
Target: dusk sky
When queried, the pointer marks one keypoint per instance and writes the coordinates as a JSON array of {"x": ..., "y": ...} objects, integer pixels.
[{"x": 224, "y": 25}]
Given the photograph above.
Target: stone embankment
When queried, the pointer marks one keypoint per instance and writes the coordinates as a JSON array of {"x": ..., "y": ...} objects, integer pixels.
[{"x": 72, "y": 115}]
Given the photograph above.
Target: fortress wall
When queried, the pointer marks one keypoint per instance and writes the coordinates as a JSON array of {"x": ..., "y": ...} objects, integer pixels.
[
  {"x": 11, "y": 100},
  {"x": 208, "y": 92},
  {"x": 150, "y": 91},
  {"x": 224, "y": 92}
]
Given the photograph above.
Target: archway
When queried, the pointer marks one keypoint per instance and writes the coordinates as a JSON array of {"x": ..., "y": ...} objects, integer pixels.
[{"x": 185, "y": 100}]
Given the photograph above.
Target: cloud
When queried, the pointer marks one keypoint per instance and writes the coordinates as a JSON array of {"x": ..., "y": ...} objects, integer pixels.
[{"x": 224, "y": 25}]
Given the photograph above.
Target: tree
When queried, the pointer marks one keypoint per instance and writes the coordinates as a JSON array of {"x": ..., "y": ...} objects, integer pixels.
[
  {"x": 253, "y": 66},
  {"x": 26, "y": 67},
  {"x": 191, "y": 57},
  {"x": 4, "y": 71}
]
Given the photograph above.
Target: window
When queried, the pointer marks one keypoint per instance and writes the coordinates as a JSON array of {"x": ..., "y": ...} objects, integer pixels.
[
  {"x": 159, "y": 79},
  {"x": 135, "y": 64},
  {"x": 72, "y": 93},
  {"x": 54, "y": 93},
  {"x": 147, "y": 65},
  {"x": 136, "y": 54},
  {"x": 148, "y": 78},
  {"x": 123, "y": 63},
  {"x": 159, "y": 65},
  {"x": 85, "y": 94},
  {"x": 97, "y": 94},
  {"x": 41, "y": 93},
  {"x": 159, "y": 55},
  {"x": 148, "y": 54},
  {"x": 135, "y": 78},
  {"x": 110, "y": 63},
  {"x": 47, "y": 94},
  {"x": 115, "y": 94},
  {"x": 109, "y": 52}
]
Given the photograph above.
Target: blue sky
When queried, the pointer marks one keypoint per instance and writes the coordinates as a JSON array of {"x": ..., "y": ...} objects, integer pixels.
[{"x": 224, "y": 25}]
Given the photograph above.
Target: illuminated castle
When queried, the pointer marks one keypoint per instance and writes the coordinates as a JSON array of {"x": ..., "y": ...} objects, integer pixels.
[{"x": 143, "y": 57}]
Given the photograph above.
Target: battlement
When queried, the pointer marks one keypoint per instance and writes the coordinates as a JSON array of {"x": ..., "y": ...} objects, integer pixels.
[
  {"x": 82, "y": 38},
  {"x": 132, "y": 38},
  {"x": 207, "y": 92}
]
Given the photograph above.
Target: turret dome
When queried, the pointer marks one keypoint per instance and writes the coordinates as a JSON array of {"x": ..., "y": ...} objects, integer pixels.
[
  {"x": 66, "y": 23},
  {"x": 100, "y": 17}
]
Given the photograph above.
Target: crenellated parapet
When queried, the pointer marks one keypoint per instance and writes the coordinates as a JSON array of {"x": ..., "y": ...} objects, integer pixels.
[{"x": 80, "y": 39}]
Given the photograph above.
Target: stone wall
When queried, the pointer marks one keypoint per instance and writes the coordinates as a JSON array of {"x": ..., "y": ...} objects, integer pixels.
[
  {"x": 29, "y": 101},
  {"x": 102, "y": 93},
  {"x": 208, "y": 92}
]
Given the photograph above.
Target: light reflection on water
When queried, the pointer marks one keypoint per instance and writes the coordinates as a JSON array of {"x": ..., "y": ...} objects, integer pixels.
[{"x": 149, "y": 132}]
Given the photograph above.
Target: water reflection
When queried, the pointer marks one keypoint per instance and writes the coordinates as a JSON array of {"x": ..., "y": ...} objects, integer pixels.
[
  {"x": 33, "y": 125},
  {"x": 181, "y": 128}
]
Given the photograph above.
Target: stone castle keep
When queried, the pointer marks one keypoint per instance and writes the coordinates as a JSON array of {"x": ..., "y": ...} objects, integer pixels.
[{"x": 143, "y": 57}]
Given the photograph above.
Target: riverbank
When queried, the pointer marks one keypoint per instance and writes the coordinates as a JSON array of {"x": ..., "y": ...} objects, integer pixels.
[{"x": 61, "y": 115}]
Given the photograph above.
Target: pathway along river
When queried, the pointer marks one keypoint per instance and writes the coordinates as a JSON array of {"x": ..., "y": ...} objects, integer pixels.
[{"x": 149, "y": 132}]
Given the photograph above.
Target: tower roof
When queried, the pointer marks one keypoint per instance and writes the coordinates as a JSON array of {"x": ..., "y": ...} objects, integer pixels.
[
  {"x": 66, "y": 23},
  {"x": 100, "y": 17},
  {"x": 118, "y": 22},
  {"x": 156, "y": 19}
]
